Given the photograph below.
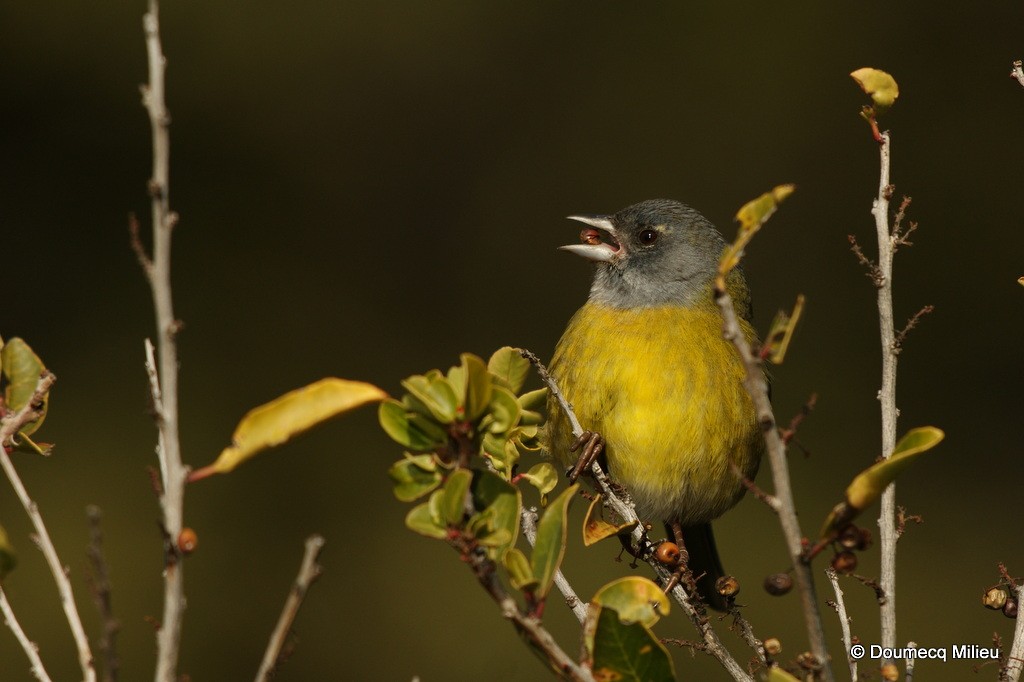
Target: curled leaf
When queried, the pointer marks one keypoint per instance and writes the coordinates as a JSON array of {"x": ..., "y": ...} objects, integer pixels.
[
  {"x": 781, "y": 332},
  {"x": 544, "y": 477},
  {"x": 21, "y": 368},
  {"x": 410, "y": 428},
  {"x": 425, "y": 518},
  {"x": 478, "y": 386},
  {"x": 595, "y": 528},
  {"x": 286, "y": 417},
  {"x": 869, "y": 485},
  {"x": 414, "y": 476},
  {"x": 520, "y": 575},
  {"x": 493, "y": 494},
  {"x": 509, "y": 367},
  {"x": 453, "y": 504},
  {"x": 879, "y": 85},
  {"x": 751, "y": 216}
]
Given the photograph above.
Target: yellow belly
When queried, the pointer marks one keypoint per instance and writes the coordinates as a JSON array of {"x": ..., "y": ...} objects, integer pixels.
[{"x": 665, "y": 390}]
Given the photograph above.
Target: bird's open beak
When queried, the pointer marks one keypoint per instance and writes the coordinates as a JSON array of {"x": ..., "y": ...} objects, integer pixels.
[{"x": 598, "y": 242}]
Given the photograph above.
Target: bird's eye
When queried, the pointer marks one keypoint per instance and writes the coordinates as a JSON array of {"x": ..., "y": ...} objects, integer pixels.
[{"x": 648, "y": 237}]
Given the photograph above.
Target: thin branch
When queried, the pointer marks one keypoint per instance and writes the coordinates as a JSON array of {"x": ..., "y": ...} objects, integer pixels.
[
  {"x": 102, "y": 596},
  {"x": 1017, "y": 72},
  {"x": 9, "y": 426},
  {"x": 159, "y": 276},
  {"x": 579, "y": 607},
  {"x": 528, "y": 625},
  {"x": 911, "y": 662},
  {"x": 27, "y": 645},
  {"x": 844, "y": 621},
  {"x": 757, "y": 387},
  {"x": 887, "y": 393},
  {"x": 309, "y": 571},
  {"x": 624, "y": 509}
]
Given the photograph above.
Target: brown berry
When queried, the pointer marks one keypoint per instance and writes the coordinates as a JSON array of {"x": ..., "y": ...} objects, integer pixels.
[
  {"x": 865, "y": 540},
  {"x": 667, "y": 553},
  {"x": 844, "y": 562},
  {"x": 890, "y": 673},
  {"x": 1010, "y": 608},
  {"x": 727, "y": 586},
  {"x": 772, "y": 646},
  {"x": 995, "y": 598},
  {"x": 187, "y": 541},
  {"x": 778, "y": 584}
]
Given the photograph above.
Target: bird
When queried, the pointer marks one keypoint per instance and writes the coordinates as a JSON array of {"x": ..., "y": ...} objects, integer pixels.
[{"x": 644, "y": 364}]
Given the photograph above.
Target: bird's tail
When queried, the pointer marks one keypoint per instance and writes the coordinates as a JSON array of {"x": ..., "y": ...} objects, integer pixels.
[{"x": 704, "y": 562}]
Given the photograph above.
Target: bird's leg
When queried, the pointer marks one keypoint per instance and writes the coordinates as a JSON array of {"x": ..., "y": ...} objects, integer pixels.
[
  {"x": 593, "y": 445},
  {"x": 682, "y": 571}
]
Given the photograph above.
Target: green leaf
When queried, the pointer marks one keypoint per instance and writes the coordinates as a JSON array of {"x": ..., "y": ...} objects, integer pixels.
[
  {"x": 777, "y": 674},
  {"x": 879, "y": 85},
  {"x": 550, "y": 546},
  {"x": 504, "y": 410},
  {"x": 625, "y": 652},
  {"x": 453, "y": 504},
  {"x": 501, "y": 451},
  {"x": 869, "y": 485},
  {"x": 636, "y": 599},
  {"x": 751, "y": 216},
  {"x": 414, "y": 477},
  {"x": 533, "y": 399},
  {"x": 410, "y": 429},
  {"x": 781, "y": 332},
  {"x": 520, "y": 575},
  {"x": 510, "y": 367},
  {"x": 493, "y": 493},
  {"x": 435, "y": 393},
  {"x": 595, "y": 528},
  {"x": 21, "y": 367},
  {"x": 286, "y": 417},
  {"x": 478, "y": 386},
  {"x": 8, "y": 560},
  {"x": 544, "y": 477},
  {"x": 425, "y": 519}
]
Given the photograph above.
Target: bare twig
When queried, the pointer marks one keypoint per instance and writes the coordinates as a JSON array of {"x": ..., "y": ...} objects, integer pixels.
[
  {"x": 624, "y": 509},
  {"x": 769, "y": 499},
  {"x": 309, "y": 571},
  {"x": 27, "y": 645},
  {"x": 902, "y": 517},
  {"x": 872, "y": 269},
  {"x": 789, "y": 432},
  {"x": 9, "y": 426},
  {"x": 102, "y": 596},
  {"x": 579, "y": 607},
  {"x": 911, "y": 661},
  {"x": 844, "y": 621},
  {"x": 911, "y": 323},
  {"x": 757, "y": 387},
  {"x": 1017, "y": 72},
  {"x": 159, "y": 276},
  {"x": 887, "y": 393}
]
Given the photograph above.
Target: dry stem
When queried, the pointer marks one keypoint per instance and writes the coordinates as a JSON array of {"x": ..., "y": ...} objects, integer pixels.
[
  {"x": 757, "y": 387},
  {"x": 102, "y": 596},
  {"x": 528, "y": 521},
  {"x": 166, "y": 401},
  {"x": 8, "y": 427},
  {"x": 27, "y": 645},
  {"x": 844, "y": 621},
  {"x": 1018, "y": 72},
  {"x": 309, "y": 571}
]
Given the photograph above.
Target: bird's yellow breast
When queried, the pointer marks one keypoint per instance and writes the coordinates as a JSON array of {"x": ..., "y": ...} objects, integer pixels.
[{"x": 665, "y": 390}]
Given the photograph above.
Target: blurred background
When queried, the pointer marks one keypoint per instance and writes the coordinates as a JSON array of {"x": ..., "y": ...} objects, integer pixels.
[{"x": 368, "y": 189}]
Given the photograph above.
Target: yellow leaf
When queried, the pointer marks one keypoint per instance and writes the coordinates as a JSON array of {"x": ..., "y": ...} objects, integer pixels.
[
  {"x": 879, "y": 85},
  {"x": 868, "y": 485},
  {"x": 777, "y": 674},
  {"x": 283, "y": 418},
  {"x": 751, "y": 216},
  {"x": 595, "y": 528},
  {"x": 635, "y": 598},
  {"x": 781, "y": 332}
]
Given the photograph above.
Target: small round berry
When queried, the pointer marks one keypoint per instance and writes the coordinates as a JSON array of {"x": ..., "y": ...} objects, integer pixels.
[
  {"x": 844, "y": 562},
  {"x": 667, "y": 553},
  {"x": 187, "y": 541},
  {"x": 778, "y": 584},
  {"x": 772, "y": 646},
  {"x": 890, "y": 673},
  {"x": 1010, "y": 608}
]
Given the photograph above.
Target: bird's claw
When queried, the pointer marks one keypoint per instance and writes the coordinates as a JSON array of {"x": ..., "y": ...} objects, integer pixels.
[{"x": 593, "y": 445}]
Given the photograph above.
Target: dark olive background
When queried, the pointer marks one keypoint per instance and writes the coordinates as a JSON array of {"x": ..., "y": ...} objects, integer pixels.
[{"x": 368, "y": 189}]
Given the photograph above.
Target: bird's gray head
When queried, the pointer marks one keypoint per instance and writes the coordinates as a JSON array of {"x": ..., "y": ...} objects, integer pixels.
[{"x": 653, "y": 253}]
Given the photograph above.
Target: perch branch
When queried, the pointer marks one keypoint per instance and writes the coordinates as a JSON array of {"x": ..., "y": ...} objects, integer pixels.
[
  {"x": 309, "y": 571},
  {"x": 9, "y": 426},
  {"x": 757, "y": 387},
  {"x": 624, "y": 509},
  {"x": 1015, "y": 660},
  {"x": 1018, "y": 72}
]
